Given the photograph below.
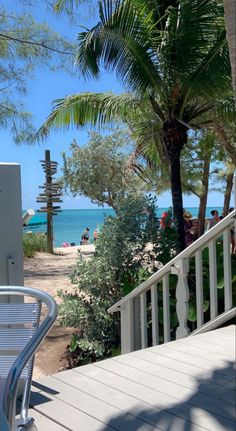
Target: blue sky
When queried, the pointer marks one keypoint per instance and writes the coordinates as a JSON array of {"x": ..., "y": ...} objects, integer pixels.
[{"x": 42, "y": 90}]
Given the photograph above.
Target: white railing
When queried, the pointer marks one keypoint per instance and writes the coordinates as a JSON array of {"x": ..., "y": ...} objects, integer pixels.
[{"x": 140, "y": 309}]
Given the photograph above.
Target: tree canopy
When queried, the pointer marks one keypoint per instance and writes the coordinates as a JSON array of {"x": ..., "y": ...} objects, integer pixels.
[
  {"x": 97, "y": 169},
  {"x": 24, "y": 45}
]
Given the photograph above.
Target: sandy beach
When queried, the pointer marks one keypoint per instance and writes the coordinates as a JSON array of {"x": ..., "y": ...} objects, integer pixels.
[{"x": 51, "y": 273}]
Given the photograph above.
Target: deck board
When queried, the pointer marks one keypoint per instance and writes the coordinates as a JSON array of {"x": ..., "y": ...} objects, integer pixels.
[{"x": 186, "y": 385}]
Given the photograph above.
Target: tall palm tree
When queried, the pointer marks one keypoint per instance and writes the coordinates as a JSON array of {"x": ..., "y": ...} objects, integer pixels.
[
  {"x": 230, "y": 19},
  {"x": 173, "y": 58}
]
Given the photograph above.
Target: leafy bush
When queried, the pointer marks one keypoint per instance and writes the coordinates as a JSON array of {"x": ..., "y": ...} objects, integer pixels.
[
  {"x": 128, "y": 249},
  {"x": 33, "y": 242}
]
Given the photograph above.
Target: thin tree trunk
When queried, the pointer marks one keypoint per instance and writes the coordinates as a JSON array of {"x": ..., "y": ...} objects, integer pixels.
[
  {"x": 203, "y": 198},
  {"x": 177, "y": 199},
  {"x": 230, "y": 19},
  {"x": 224, "y": 139},
  {"x": 228, "y": 190}
]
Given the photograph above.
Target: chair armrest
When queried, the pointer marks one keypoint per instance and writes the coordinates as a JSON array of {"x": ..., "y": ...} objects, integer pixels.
[{"x": 13, "y": 378}]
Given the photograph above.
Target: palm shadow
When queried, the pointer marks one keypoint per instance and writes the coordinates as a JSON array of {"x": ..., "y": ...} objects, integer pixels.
[{"x": 200, "y": 411}]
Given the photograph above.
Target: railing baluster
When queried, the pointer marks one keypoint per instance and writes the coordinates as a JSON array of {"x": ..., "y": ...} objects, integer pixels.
[
  {"x": 133, "y": 307},
  {"x": 155, "y": 325},
  {"x": 199, "y": 288},
  {"x": 143, "y": 309},
  {"x": 166, "y": 308},
  {"x": 181, "y": 268},
  {"x": 213, "y": 279},
  {"x": 227, "y": 270}
]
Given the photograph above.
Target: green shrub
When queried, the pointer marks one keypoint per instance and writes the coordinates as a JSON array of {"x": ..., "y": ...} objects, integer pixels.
[
  {"x": 122, "y": 260},
  {"x": 33, "y": 242}
]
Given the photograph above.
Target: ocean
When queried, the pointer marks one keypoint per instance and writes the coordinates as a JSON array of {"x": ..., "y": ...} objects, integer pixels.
[{"x": 69, "y": 224}]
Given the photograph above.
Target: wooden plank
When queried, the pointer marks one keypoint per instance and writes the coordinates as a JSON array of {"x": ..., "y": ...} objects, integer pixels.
[
  {"x": 184, "y": 368},
  {"x": 129, "y": 407},
  {"x": 68, "y": 416},
  {"x": 166, "y": 410},
  {"x": 162, "y": 386},
  {"x": 227, "y": 331},
  {"x": 43, "y": 423},
  {"x": 193, "y": 349},
  {"x": 205, "y": 364},
  {"x": 102, "y": 411},
  {"x": 211, "y": 389},
  {"x": 205, "y": 344},
  {"x": 214, "y": 339}
]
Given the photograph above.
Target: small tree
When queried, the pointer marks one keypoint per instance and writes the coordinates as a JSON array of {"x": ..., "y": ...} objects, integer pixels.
[
  {"x": 97, "y": 169},
  {"x": 122, "y": 261}
]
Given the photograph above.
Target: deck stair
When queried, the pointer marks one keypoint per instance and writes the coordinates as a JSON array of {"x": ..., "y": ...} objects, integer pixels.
[{"x": 140, "y": 309}]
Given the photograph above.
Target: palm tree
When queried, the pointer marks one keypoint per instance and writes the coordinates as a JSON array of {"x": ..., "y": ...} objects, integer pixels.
[
  {"x": 230, "y": 19},
  {"x": 173, "y": 58}
]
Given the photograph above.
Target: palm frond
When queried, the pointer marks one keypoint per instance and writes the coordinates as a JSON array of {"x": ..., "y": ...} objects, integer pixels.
[
  {"x": 94, "y": 109},
  {"x": 122, "y": 42}
]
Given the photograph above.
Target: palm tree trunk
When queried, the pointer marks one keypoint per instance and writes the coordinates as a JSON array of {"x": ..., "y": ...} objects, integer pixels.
[
  {"x": 203, "y": 197},
  {"x": 177, "y": 199},
  {"x": 230, "y": 19},
  {"x": 228, "y": 190},
  {"x": 174, "y": 136}
]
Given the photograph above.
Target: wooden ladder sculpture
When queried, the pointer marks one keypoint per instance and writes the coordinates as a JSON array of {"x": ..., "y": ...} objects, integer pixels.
[{"x": 51, "y": 194}]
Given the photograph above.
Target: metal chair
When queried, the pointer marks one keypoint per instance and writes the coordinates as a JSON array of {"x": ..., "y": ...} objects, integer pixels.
[{"x": 21, "y": 333}]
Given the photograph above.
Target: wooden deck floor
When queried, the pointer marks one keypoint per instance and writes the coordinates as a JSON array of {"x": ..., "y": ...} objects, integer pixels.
[{"x": 186, "y": 385}]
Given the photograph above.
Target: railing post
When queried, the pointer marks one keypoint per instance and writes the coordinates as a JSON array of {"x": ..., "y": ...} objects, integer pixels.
[
  {"x": 130, "y": 326},
  {"x": 181, "y": 269}
]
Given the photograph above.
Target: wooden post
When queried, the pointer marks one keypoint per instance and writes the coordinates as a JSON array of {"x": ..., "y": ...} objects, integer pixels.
[
  {"x": 49, "y": 204},
  {"x": 50, "y": 195},
  {"x": 130, "y": 326}
]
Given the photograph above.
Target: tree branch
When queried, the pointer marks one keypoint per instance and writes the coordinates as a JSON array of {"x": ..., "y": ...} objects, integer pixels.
[
  {"x": 29, "y": 42},
  {"x": 224, "y": 139}
]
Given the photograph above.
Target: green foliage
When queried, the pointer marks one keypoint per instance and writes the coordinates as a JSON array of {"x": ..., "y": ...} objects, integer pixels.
[
  {"x": 97, "y": 169},
  {"x": 33, "y": 242},
  {"x": 128, "y": 250},
  {"x": 24, "y": 44}
]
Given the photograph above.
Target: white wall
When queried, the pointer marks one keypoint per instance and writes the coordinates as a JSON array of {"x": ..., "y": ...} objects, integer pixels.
[{"x": 11, "y": 251}]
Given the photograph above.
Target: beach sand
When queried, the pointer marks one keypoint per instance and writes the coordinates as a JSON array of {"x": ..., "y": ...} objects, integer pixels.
[{"x": 51, "y": 273}]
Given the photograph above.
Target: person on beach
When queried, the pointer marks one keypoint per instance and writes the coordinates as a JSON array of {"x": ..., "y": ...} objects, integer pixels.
[
  {"x": 95, "y": 235},
  {"x": 85, "y": 236},
  {"x": 215, "y": 218},
  {"x": 188, "y": 228}
]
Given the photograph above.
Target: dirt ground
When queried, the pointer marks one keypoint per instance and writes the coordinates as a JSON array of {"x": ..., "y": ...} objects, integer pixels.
[{"x": 50, "y": 273}]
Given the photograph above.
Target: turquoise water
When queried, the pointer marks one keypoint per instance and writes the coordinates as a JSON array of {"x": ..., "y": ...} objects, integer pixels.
[{"x": 69, "y": 224}]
